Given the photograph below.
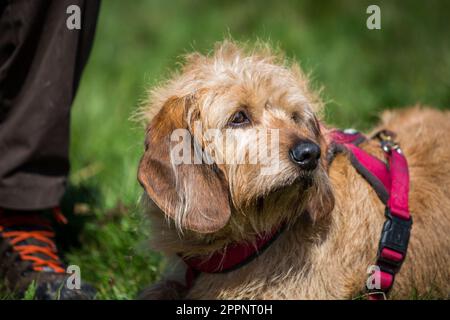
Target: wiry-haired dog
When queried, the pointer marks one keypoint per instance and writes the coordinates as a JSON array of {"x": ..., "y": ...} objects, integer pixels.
[{"x": 332, "y": 216}]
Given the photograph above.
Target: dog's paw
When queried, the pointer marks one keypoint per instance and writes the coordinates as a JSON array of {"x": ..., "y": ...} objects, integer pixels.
[{"x": 164, "y": 290}]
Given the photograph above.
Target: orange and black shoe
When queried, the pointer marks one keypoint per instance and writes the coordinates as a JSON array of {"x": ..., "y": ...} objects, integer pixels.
[{"x": 28, "y": 254}]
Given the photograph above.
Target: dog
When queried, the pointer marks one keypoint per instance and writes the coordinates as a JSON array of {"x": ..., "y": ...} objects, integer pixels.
[{"x": 332, "y": 217}]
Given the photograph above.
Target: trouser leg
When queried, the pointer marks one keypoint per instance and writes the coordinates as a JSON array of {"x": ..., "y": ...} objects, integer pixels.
[{"x": 41, "y": 61}]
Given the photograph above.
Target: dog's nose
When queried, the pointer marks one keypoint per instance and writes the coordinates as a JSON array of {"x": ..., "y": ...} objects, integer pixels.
[{"x": 305, "y": 154}]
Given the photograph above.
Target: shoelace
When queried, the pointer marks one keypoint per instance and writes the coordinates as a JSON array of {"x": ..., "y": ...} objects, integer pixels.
[{"x": 34, "y": 253}]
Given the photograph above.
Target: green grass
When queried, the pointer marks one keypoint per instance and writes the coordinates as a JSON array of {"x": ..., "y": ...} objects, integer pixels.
[{"x": 138, "y": 42}]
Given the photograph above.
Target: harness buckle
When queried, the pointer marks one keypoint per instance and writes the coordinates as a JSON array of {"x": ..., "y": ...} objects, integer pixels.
[
  {"x": 387, "y": 141},
  {"x": 394, "y": 242},
  {"x": 388, "y": 146}
]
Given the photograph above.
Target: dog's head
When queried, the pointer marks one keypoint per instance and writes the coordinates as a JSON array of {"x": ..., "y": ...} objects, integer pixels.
[{"x": 234, "y": 143}]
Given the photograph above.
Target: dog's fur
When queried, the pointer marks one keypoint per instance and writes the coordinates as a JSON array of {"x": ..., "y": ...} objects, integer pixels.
[{"x": 334, "y": 217}]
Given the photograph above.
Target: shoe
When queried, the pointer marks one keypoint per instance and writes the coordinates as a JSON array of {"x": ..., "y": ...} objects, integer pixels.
[{"x": 28, "y": 256}]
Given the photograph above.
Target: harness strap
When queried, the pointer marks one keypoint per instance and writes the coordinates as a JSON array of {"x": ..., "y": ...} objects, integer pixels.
[
  {"x": 398, "y": 201},
  {"x": 373, "y": 170},
  {"x": 393, "y": 192}
]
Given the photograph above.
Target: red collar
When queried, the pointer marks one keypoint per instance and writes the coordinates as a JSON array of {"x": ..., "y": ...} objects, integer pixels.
[
  {"x": 390, "y": 182},
  {"x": 231, "y": 257}
]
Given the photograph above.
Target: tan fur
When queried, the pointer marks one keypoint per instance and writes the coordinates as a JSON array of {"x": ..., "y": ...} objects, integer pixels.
[{"x": 323, "y": 254}]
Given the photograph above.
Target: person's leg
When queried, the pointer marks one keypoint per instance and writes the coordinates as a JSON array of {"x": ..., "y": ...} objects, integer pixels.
[{"x": 40, "y": 65}]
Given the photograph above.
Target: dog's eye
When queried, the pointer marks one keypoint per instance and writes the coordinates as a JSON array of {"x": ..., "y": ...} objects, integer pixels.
[{"x": 239, "y": 118}]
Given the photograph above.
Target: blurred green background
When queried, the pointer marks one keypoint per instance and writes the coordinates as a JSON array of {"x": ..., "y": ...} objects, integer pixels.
[{"x": 138, "y": 42}]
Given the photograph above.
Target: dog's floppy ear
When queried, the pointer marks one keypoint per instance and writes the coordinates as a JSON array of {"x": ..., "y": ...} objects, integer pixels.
[{"x": 195, "y": 196}]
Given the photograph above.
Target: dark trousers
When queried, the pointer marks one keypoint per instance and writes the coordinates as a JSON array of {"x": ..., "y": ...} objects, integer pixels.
[{"x": 41, "y": 61}]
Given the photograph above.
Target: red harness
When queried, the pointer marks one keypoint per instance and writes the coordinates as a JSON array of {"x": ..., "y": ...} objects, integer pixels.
[{"x": 390, "y": 181}]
